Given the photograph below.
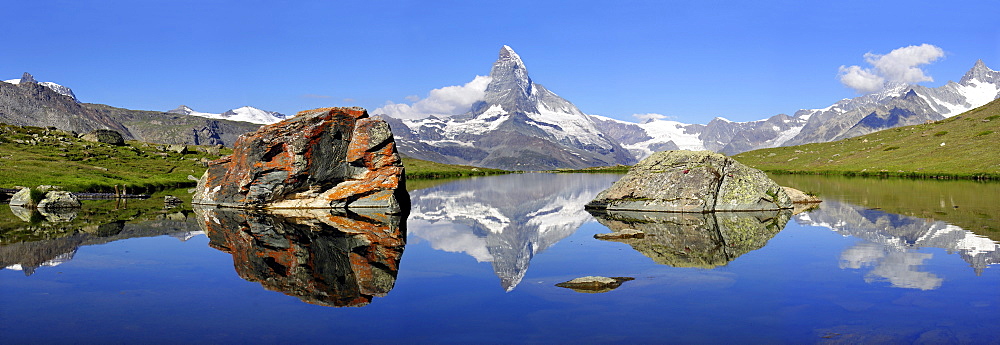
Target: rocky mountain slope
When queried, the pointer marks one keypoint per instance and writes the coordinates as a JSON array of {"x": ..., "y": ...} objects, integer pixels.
[
  {"x": 29, "y": 103},
  {"x": 518, "y": 125}
]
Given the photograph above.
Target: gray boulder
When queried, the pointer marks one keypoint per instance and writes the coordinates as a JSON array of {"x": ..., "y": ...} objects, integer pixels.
[
  {"x": 58, "y": 199},
  {"x": 692, "y": 181},
  {"x": 22, "y": 198}
]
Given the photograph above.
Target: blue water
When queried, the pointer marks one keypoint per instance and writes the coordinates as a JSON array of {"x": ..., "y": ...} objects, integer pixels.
[{"x": 480, "y": 264}]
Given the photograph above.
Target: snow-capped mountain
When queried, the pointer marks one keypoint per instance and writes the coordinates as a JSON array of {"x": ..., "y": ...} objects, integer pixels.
[
  {"x": 245, "y": 114},
  {"x": 896, "y": 105},
  {"x": 62, "y": 90},
  {"x": 518, "y": 125}
]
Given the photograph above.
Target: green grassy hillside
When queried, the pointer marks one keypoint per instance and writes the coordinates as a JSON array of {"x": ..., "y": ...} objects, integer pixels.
[
  {"x": 963, "y": 146},
  {"x": 32, "y": 156}
]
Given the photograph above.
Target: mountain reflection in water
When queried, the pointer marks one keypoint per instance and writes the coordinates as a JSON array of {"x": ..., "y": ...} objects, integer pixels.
[
  {"x": 703, "y": 240},
  {"x": 504, "y": 220},
  {"x": 322, "y": 257},
  {"x": 892, "y": 242}
]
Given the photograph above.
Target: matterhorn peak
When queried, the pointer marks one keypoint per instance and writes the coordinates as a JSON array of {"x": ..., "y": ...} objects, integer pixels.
[{"x": 507, "y": 53}]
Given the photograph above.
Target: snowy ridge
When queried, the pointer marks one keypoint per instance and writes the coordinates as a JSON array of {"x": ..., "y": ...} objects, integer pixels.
[
  {"x": 245, "y": 114},
  {"x": 62, "y": 90}
]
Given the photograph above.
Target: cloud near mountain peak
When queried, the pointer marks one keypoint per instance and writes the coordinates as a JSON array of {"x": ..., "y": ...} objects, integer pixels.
[{"x": 901, "y": 65}]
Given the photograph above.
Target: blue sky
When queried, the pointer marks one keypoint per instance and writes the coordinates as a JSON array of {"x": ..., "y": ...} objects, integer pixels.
[{"x": 690, "y": 61}]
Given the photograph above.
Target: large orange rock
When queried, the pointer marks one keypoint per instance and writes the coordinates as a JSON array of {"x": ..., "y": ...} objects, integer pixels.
[{"x": 321, "y": 158}]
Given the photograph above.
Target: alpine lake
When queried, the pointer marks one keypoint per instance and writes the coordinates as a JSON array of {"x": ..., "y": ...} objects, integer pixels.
[{"x": 477, "y": 260}]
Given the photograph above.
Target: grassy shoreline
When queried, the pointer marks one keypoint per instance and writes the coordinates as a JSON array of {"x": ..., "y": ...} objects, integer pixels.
[
  {"x": 33, "y": 156},
  {"x": 958, "y": 147}
]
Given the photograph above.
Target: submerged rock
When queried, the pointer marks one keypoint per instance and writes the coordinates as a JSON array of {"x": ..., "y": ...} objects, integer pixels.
[
  {"x": 692, "y": 181},
  {"x": 594, "y": 284},
  {"x": 800, "y": 197},
  {"x": 322, "y": 158}
]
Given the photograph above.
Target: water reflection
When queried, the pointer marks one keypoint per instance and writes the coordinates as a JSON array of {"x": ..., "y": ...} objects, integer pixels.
[
  {"x": 39, "y": 241},
  {"x": 703, "y": 240},
  {"x": 504, "y": 220},
  {"x": 890, "y": 251},
  {"x": 322, "y": 257}
]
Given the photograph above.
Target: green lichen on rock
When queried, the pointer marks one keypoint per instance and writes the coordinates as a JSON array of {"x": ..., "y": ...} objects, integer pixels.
[{"x": 692, "y": 181}]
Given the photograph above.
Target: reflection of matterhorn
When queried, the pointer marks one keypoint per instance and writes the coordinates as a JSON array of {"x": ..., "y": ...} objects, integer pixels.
[
  {"x": 505, "y": 220},
  {"x": 893, "y": 242}
]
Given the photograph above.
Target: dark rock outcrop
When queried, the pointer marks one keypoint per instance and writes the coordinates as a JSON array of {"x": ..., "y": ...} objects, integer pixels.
[
  {"x": 703, "y": 240},
  {"x": 322, "y": 257},
  {"x": 322, "y": 158},
  {"x": 692, "y": 181}
]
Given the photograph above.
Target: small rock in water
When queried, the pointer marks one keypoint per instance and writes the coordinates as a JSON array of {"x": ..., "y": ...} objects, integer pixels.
[
  {"x": 594, "y": 284},
  {"x": 625, "y": 233}
]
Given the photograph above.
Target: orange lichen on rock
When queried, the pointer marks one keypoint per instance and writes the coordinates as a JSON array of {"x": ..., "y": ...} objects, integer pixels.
[{"x": 321, "y": 158}]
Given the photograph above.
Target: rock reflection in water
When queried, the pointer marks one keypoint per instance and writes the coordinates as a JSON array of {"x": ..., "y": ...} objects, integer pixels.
[
  {"x": 505, "y": 220},
  {"x": 703, "y": 240},
  {"x": 322, "y": 257},
  {"x": 893, "y": 240}
]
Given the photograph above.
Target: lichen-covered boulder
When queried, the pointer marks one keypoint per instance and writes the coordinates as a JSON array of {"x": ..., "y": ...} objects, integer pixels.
[
  {"x": 321, "y": 158},
  {"x": 692, "y": 181},
  {"x": 58, "y": 199},
  {"x": 22, "y": 198}
]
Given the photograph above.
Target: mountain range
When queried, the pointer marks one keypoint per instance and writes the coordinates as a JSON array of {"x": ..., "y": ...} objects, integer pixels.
[
  {"x": 517, "y": 124},
  {"x": 520, "y": 125},
  {"x": 27, "y": 102}
]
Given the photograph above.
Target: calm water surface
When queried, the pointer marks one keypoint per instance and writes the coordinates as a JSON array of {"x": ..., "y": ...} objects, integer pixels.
[{"x": 880, "y": 261}]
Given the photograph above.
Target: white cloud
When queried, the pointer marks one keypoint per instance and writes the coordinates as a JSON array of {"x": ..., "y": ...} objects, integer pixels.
[
  {"x": 860, "y": 79},
  {"x": 650, "y": 117},
  {"x": 446, "y": 101},
  {"x": 412, "y": 98},
  {"x": 899, "y": 66}
]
